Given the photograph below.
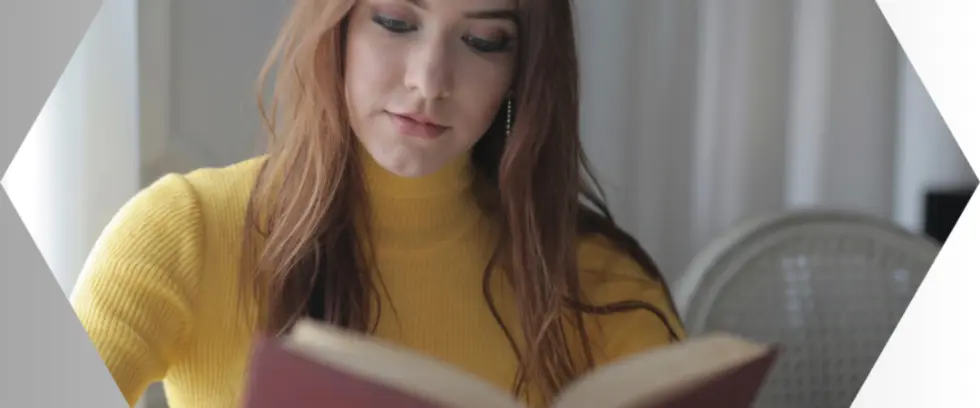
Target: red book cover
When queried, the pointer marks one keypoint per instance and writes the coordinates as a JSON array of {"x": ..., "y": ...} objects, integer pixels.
[{"x": 279, "y": 378}]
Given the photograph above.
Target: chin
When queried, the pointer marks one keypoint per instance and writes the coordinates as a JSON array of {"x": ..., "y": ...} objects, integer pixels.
[
  {"x": 403, "y": 158},
  {"x": 408, "y": 167}
]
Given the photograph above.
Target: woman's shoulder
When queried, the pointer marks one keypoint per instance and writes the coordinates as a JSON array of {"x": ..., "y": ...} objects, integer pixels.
[
  {"x": 169, "y": 217},
  {"x": 221, "y": 184},
  {"x": 139, "y": 293},
  {"x": 608, "y": 273},
  {"x": 198, "y": 194},
  {"x": 602, "y": 260}
]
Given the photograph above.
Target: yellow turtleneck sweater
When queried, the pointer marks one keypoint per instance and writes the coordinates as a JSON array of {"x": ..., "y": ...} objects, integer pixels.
[{"x": 158, "y": 293}]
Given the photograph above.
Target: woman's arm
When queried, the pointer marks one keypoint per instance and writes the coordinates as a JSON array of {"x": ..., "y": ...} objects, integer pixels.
[{"x": 135, "y": 294}]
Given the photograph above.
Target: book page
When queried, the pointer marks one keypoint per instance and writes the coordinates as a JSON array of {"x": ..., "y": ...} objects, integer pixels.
[{"x": 647, "y": 378}]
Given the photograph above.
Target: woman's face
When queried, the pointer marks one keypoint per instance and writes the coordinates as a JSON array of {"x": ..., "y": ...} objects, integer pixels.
[{"x": 426, "y": 78}]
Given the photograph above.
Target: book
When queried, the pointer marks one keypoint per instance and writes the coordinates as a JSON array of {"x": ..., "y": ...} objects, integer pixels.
[{"x": 318, "y": 365}]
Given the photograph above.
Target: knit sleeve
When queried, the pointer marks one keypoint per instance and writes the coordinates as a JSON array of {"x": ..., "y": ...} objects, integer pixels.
[
  {"x": 609, "y": 276},
  {"x": 135, "y": 293}
]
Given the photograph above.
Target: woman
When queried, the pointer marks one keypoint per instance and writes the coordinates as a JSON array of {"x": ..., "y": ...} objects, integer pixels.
[{"x": 422, "y": 184}]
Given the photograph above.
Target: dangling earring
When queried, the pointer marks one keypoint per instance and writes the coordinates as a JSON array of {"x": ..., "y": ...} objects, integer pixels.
[{"x": 510, "y": 113}]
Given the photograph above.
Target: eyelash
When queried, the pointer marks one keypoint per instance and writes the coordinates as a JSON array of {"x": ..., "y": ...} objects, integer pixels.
[{"x": 477, "y": 43}]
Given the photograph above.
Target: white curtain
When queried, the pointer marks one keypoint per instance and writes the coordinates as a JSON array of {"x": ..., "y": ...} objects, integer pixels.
[{"x": 699, "y": 114}]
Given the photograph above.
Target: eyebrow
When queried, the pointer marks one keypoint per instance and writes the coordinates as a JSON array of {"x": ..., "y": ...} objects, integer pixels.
[{"x": 501, "y": 14}]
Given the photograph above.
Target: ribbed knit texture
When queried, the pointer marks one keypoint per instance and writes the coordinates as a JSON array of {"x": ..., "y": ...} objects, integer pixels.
[{"x": 158, "y": 295}]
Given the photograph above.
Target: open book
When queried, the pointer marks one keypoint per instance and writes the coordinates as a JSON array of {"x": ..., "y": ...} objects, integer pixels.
[{"x": 317, "y": 364}]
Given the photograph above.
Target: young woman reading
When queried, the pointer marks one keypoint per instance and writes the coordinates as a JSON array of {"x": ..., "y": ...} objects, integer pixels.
[{"x": 424, "y": 183}]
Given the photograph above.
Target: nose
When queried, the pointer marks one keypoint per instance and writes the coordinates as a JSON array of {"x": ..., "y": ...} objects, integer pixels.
[{"x": 429, "y": 70}]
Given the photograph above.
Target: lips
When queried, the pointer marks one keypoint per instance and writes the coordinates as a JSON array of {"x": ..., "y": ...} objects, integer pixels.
[{"x": 416, "y": 126}]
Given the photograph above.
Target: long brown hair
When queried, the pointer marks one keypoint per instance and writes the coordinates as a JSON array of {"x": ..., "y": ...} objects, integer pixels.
[{"x": 535, "y": 183}]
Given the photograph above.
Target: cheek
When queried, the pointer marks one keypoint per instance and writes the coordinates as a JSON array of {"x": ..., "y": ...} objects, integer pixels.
[
  {"x": 482, "y": 91},
  {"x": 372, "y": 72}
]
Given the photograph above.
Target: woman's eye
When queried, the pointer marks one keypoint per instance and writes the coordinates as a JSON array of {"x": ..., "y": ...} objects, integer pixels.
[
  {"x": 393, "y": 25},
  {"x": 485, "y": 45}
]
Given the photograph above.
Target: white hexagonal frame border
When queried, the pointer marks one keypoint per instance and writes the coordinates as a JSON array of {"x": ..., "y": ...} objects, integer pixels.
[
  {"x": 47, "y": 357},
  {"x": 931, "y": 358}
]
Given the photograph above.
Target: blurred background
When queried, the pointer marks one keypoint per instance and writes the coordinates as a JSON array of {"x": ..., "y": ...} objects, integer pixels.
[{"x": 698, "y": 115}]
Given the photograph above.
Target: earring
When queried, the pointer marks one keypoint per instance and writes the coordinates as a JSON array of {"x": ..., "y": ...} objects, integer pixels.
[{"x": 510, "y": 110}]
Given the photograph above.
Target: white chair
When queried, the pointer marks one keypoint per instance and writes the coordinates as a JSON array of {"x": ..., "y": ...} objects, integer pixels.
[{"x": 828, "y": 286}]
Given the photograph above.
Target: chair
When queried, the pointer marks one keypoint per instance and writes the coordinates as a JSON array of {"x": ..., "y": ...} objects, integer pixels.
[{"x": 828, "y": 286}]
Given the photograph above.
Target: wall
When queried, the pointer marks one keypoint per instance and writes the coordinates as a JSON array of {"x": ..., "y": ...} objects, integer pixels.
[{"x": 214, "y": 50}]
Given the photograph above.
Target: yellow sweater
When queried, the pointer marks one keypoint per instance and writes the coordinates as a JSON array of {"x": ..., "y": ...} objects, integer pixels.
[{"x": 158, "y": 293}]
